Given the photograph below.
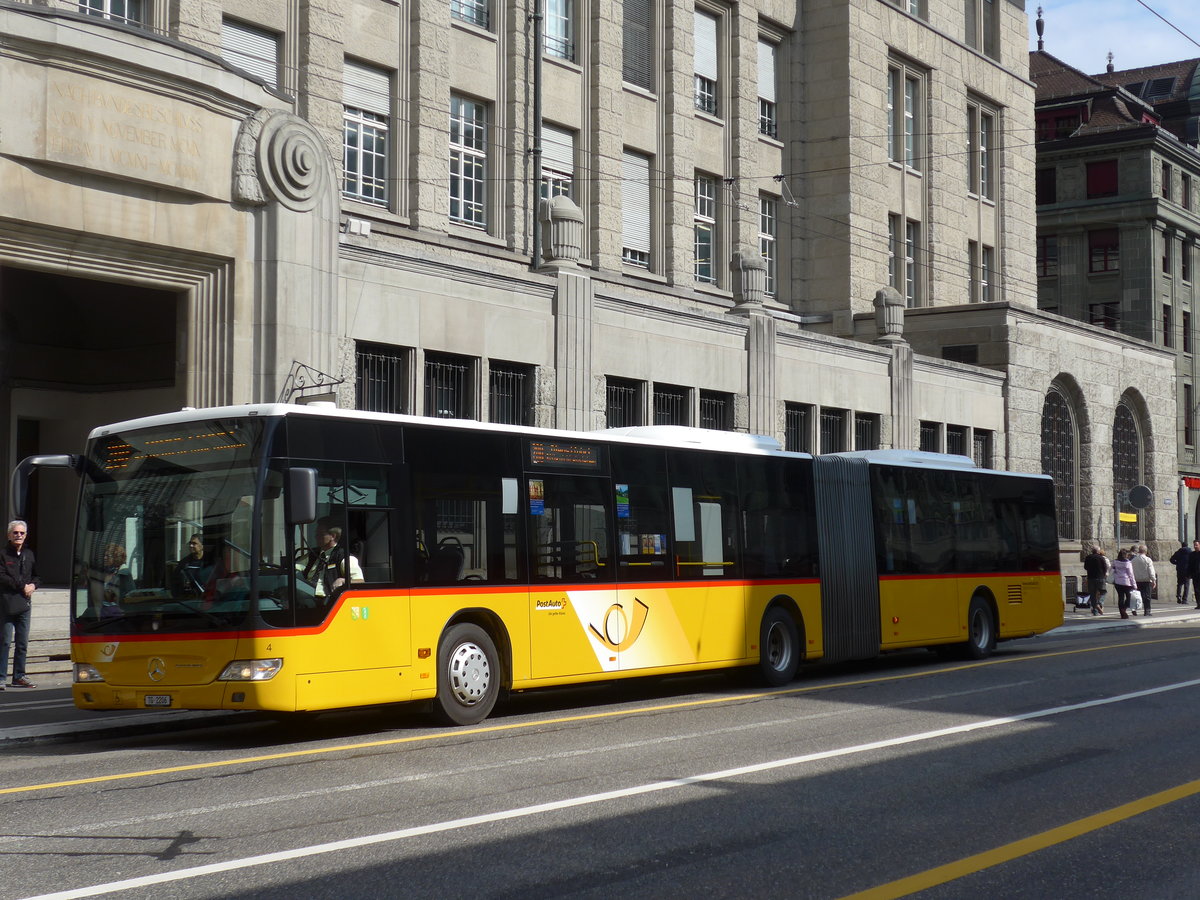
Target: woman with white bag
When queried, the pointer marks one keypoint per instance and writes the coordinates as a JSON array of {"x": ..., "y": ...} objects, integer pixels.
[{"x": 1145, "y": 577}]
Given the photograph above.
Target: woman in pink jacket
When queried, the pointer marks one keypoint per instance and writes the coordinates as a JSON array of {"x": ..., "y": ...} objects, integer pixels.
[{"x": 1123, "y": 581}]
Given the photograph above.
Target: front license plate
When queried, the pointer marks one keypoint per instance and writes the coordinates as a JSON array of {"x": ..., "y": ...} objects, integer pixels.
[{"x": 158, "y": 699}]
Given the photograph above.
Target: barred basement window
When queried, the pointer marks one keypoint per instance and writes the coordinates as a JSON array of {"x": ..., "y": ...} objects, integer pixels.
[
  {"x": 622, "y": 403},
  {"x": 1058, "y": 460},
  {"x": 716, "y": 410},
  {"x": 832, "y": 427},
  {"x": 866, "y": 431},
  {"x": 447, "y": 386},
  {"x": 381, "y": 384},
  {"x": 797, "y": 429},
  {"x": 508, "y": 393},
  {"x": 670, "y": 405},
  {"x": 956, "y": 440}
]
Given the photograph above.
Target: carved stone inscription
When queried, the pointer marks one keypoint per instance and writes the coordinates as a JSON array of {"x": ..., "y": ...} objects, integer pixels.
[{"x": 136, "y": 135}]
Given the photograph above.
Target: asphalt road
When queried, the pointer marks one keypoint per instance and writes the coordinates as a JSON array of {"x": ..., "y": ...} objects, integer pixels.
[{"x": 1064, "y": 766}]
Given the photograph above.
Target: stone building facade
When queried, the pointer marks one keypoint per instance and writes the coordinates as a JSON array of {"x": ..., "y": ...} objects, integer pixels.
[{"x": 815, "y": 223}]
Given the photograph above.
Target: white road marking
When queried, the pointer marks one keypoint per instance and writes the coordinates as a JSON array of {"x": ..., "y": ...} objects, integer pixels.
[{"x": 589, "y": 799}]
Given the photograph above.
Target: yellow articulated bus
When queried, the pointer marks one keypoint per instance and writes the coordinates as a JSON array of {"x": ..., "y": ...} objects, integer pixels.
[{"x": 292, "y": 558}]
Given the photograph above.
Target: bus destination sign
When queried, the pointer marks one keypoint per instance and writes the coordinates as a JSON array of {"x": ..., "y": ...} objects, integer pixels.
[{"x": 553, "y": 453}]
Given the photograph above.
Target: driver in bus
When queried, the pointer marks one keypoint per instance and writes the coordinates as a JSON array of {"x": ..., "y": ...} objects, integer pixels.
[
  {"x": 330, "y": 568},
  {"x": 194, "y": 570}
]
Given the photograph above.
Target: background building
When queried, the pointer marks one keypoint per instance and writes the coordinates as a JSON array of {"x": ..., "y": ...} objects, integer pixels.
[
  {"x": 813, "y": 223},
  {"x": 1117, "y": 166}
]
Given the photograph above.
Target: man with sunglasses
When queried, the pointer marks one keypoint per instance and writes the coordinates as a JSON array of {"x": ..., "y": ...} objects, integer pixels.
[{"x": 18, "y": 580}]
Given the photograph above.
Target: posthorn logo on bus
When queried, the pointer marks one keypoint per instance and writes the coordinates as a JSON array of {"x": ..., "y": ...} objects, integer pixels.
[{"x": 617, "y": 633}]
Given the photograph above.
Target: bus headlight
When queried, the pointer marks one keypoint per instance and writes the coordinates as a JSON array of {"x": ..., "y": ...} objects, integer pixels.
[
  {"x": 85, "y": 673},
  {"x": 251, "y": 670}
]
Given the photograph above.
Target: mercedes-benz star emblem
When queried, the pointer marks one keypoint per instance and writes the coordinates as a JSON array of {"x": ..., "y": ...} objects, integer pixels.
[{"x": 156, "y": 669}]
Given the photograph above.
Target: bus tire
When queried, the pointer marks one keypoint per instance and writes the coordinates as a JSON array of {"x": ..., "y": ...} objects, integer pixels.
[
  {"x": 779, "y": 647},
  {"x": 981, "y": 630},
  {"x": 468, "y": 675}
]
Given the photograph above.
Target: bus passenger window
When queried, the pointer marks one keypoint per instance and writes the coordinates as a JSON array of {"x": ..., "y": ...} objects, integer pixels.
[
  {"x": 642, "y": 513},
  {"x": 569, "y": 529},
  {"x": 704, "y": 500}
]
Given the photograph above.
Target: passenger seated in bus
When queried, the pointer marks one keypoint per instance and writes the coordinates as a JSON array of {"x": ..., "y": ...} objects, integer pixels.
[
  {"x": 329, "y": 568},
  {"x": 117, "y": 579}
]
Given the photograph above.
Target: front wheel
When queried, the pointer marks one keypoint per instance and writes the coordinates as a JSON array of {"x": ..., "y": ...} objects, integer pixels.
[
  {"x": 468, "y": 675},
  {"x": 981, "y": 630},
  {"x": 779, "y": 648}
]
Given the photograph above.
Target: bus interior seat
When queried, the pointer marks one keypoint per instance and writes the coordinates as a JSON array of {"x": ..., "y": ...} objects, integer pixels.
[{"x": 446, "y": 564}]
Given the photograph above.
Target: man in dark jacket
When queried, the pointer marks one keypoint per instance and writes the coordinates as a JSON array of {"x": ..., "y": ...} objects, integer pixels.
[
  {"x": 1179, "y": 559},
  {"x": 18, "y": 580}
]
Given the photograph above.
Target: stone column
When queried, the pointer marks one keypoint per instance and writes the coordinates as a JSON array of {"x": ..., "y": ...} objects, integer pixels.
[
  {"x": 283, "y": 172},
  {"x": 889, "y": 327}
]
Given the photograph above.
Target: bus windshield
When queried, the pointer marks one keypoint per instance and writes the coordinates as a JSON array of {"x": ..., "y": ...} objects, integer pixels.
[{"x": 165, "y": 527}]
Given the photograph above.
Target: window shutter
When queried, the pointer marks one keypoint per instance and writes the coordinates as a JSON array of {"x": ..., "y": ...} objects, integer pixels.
[
  {"x": 366, "y": 88},
  {"x": 252, "y": 50},
  {"x": 636, "y": 43},
  {"x": 635, "y": 202},
  {"x": 558, "y": 149},
  {"x": 766, "y": 71},
  {"x": 706, "y": 45}
]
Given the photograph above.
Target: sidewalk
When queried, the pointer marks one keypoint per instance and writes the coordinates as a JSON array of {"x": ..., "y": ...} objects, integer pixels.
[{"x": 1163, "y": 612}]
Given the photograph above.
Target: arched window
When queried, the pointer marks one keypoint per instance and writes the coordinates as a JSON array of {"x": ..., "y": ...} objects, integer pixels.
[
  {"x": 1127, "y": 464},
  {"x": 1058, "y": 461}
]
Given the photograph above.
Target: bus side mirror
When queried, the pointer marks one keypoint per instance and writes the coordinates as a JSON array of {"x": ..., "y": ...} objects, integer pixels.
[
  {"x": 19, "y": 498},
  {"x": 301, "y": 499}
]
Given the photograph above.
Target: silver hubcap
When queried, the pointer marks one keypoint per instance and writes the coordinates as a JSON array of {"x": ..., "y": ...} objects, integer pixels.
[
  {"x": 779, "y": 652},
  {"x": 469, "y": 673}
]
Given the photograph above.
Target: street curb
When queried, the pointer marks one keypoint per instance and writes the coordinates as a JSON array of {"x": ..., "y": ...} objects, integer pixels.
[{"x": 151, "y": 723}]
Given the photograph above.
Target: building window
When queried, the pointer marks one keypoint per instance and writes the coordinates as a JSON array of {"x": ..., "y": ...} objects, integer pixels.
[
  {"x": 448, "y": 386},
  {"x": 768, "y": 237},
  {"x": 1106, "y": 315},
  {"x": 866, "y": 431},
  {"x": 706, "y": 228},
  {"x": 670, "y": 405},
  {"x": 128, "y": 12},
  {"x": 1047, "y": 256},
  {"x": 635, "y": 209},
  {"x": 1166, "y": 181},
  {"x": 508, "y": 393},
  {"x": 904, "y": 112},
  {"x": 1185, "y": 331},
  {"x": 913, "y": 6},
  {"x": 558, "y": 162},
  {"x": 1047, "y": 186},
  {"x": 767, "y": 122},
  {"x": 366, "y": 95},
  {"x": 981, "y": 448},
  {"x": 381, "y": 383},
  {"x": 251, "y": 49},
  {"x": 797, "y": 428},
  {"x": 956, "y": 440},
  {"x": 1058, "y": 459},
  {"x": 962, "y": 353},
  {"x": 981, "y": 155},
  {"x": 468, "y": 162},
  {"x": 706, "y": 62},
  {"x": 987, "y": 274},
  {"x": 1102, "y": 179},
  {"x": 1168, "y": 326},
  {"x": 1104, "y": 250},
  {"x": 716, "y": 410},
  {"x": 1167, "y": 241},
  {"x": 832, "y": 428},
  {"x": 912, "y": 243},
  {"x": 1185, "y": 262},
  {"x": 1127, "y": 462},
  {"x": 983, "y": 26},
  {"x": 1185, "y": 191},
  {"x": 1188, "y": 416},
  {"x": 622, "y": 403},
  {"x": 931, "y": 437},
  {"x": 560, "y": 29},
  {"x": 474, "y": 12},
  {"x": 973, "y": 271},
  {"x": 895, "y": 251},
  {"x": 637, "y": 47}
]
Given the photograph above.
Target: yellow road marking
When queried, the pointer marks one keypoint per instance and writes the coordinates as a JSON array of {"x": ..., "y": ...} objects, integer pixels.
[
  {"x": 1025, "y": 846},
  {"x": 564, "y": 720}
]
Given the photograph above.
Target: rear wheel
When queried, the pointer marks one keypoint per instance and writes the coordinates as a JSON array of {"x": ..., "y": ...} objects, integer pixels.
[
  {"x": 468, "y": 675},
  {"x": 981, "y": 630},
  {"x": 779, "y": 648}
]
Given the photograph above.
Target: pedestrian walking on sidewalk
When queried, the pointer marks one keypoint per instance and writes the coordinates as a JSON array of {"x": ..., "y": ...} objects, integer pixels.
[
  {"x": 1194, "y": 571},
  {"x": 1123, "y": 581},
  {"x": 1095, "y": 564},
  {"x": 18, "y": 581},
  {"x": 1145, "y": 576},
  {"x": 1179, "y": 559}
]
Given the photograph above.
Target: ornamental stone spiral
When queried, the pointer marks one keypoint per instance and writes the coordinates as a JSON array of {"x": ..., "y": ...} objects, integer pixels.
[{"x": 279, "y": 157}]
